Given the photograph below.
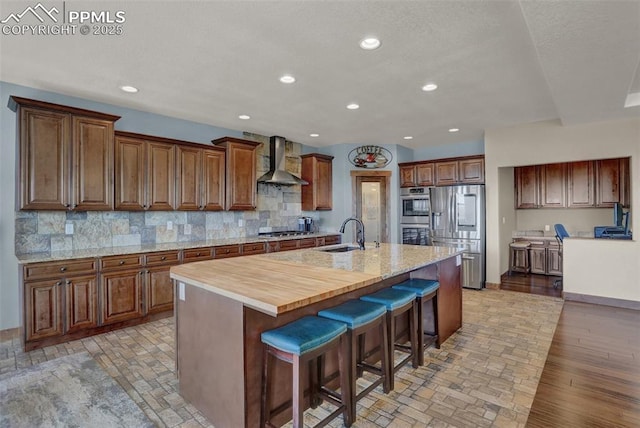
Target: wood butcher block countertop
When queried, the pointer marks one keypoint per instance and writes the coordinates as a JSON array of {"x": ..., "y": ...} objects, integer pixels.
[{"x": 280, "y": 282}]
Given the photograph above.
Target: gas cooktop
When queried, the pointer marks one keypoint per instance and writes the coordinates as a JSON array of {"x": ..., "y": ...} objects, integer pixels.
[{"x": 283, "y": 233}]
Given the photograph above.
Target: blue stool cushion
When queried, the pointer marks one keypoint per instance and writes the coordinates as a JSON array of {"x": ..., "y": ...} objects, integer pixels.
[
  {"x": 421, "y": 287},
  {"x": 390, "y": 298},
  {"x": 354, "y": 313},
  {"x": 303, "y": 335}
]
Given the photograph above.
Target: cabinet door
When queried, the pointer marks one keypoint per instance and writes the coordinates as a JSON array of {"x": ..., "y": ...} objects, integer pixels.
[
  {"x": 121, "y": 293},
  {"x": 608, "y": 189},
  {"x": 130, "y": 174},
  {"x": 471, "y": 170},
  {"x": 44, "y": 159},
  {"x": 159, "y": 290},
  {"x": 554, "y": 260},
  {"x": 160, "y": 189},
  {"x": 241, "y": 177},
  {"x": 81, "y": 303},
  {"x": 538, "y": 258},
  {"x": 527, "y": 187},
  {"x": 580, "y": 183},
  {"x": 553, "y": 178},
  {"x": 408, "y": 176},
  {"x": 425, "y": 174},
  {"x": 43, "y": 314},
  {"x": 446, "y": 173},
  {"x": 92, "y": 175},
  {"x": 324, "y": 199},
  {"x": 213, "y": 180},
  {"x": 188, "y": 178}
]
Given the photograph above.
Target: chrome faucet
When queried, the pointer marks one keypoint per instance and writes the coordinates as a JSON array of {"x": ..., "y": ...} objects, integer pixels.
[{"x": 359, "y": 231}]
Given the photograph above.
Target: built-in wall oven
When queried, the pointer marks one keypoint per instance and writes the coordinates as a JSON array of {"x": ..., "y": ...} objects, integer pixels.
[{"x": 415, "y": 216}]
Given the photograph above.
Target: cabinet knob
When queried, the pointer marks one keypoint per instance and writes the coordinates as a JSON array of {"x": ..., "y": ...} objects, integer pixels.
[
  {"x": 227, "y": 251},
  {"x": 163, "y": 258},
  {"x": 141, "y": 272},
  {"x": 63, "y": 269},
  {"x": 145, "y": 207},
  {"x": 121, "y": 262},
  {"x": 198, "y": 254},
  {"x": 66, "y": 205},
  {"x": 59, "y": 283},
  {"x": 68, "y": 282}
]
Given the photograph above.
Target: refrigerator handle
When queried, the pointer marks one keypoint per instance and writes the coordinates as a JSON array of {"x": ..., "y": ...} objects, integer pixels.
[{"x": 451, "y": 216}]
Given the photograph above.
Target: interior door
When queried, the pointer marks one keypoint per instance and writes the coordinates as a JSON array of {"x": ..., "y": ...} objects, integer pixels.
[{"x": 371, "y": 207}]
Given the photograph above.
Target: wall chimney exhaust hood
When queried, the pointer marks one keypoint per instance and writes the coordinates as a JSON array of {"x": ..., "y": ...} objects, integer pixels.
[{"x": 277, "y": 173}]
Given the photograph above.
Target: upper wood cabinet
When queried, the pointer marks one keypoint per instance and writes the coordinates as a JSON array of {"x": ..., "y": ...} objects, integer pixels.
[
  {"x": 66, "y": 157},
  {"x": 443, "y": 172},
  {"x": 200, "y": 178},
  {"x": 317, "y": 170},
  {"x": 583, "y": 184},
  {"x": 241, "y": 181},
  {"x": 553, "y": 185},
  {"x": 419, "y": 174},
  {"x": 145, "y": 173},
  {"x": 581, "y": 177},
  {"x": 612, "y": 182}
]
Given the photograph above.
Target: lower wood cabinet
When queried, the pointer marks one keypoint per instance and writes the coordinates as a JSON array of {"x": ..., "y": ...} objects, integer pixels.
[
  {"x": 159, "y": 289},
  {"x": 121, "y": 293},
  {"x": 545, "y": 258},
  {"x": 538, "y": 259}
]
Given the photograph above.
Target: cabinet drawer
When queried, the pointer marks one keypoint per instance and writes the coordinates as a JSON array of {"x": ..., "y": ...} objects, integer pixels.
[
  {"x": 291, "y": 244},
  {"x": 57, "y": 269},
  {"x": 320, "y": 241},
  {"x": 196, "y": 254},
  {"x": 331, "y": 240},
  {"x": 307, "y": 243},
  {"x": 273, "y": 247},
  {"x": 163, "y": 258},
  {"x": 226, "y": 251},
  {"x": 118, "y": 262},
  {"x": 255, "y": 248}
]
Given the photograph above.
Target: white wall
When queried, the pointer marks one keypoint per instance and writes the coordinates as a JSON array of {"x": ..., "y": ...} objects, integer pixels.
[{"x": 596, "y": 267}]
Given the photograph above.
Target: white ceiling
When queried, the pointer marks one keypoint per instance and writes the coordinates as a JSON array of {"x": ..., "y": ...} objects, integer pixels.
[{"x": 497, "y": 63}]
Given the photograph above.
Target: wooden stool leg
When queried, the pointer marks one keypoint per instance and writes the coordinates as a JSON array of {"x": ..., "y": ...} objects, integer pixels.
[
  {"x": 386, "y": 363},
  {"x": 297, "y": 390},
  {"x": 345, "y": 380},
  {"x": 391, "y": 331},
  {"x": 419, "y": 310},
  {"x": 413, "y": 336},
  {"x": 434, "y": 304},
  {"x": 265, "y": 405}
]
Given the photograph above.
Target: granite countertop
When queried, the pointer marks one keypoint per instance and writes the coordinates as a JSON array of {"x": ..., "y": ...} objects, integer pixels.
[
  {"x": 279, "y": 282},
  {"x": 133, "y": 249}
]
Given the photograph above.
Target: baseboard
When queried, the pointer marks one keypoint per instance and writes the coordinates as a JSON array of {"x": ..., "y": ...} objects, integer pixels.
[
  {"x": 598, "y": 300},
  {"x": 492, "y": 286},
  {"x": 9, "y": 334}
]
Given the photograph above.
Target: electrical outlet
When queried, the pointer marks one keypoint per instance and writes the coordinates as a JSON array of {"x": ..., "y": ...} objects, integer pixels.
[
  {"x": 547, "y": 228},
  {"x": 181, "y": 291},
  {"x": 169, "y": 225},
  {"x": 504, "y": 220},
  {"x": 68, "y": 228},
  {"x": 240, "y": 222},
  {"x": 187, "y": 229}
]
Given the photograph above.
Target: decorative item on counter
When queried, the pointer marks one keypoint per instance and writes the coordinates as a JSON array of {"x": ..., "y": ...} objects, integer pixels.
[{"x": 370, "y": 157}]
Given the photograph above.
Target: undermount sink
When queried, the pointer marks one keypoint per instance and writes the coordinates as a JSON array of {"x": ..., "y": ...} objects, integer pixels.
[{"x": 341, "y": 249}]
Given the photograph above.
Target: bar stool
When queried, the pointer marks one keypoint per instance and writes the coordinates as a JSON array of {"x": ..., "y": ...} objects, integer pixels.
[
  {"x": 361, "y": 317},
  {"x": 425, "y": 290},
  {"x": 300, "y": 343},
  {"x": 519, "y": 250},
  {"x": 397, "y": 303}
]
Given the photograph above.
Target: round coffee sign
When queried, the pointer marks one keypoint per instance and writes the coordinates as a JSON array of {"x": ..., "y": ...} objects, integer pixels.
[{"x": 370, "y": 157}]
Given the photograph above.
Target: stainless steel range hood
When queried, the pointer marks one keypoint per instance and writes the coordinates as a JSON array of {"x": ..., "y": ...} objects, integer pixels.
[{"x": 277, "y": 174}]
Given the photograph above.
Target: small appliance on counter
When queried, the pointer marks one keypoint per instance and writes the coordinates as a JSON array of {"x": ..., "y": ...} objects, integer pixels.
[{"x": 305, "y": 224}]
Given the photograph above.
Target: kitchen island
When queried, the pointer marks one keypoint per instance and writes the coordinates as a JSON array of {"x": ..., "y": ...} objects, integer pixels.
[{"x": 222, "y": 306}]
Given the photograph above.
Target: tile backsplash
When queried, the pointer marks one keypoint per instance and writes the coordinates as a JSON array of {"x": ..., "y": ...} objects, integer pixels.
[{"x": 277, "y": 207}]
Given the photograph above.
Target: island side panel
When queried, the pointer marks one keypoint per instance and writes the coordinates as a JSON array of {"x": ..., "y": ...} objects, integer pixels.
[{"x": 210, "y": 354}]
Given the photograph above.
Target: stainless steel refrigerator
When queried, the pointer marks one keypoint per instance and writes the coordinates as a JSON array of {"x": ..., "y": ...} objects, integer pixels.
[{"x": 458, "y": 220}]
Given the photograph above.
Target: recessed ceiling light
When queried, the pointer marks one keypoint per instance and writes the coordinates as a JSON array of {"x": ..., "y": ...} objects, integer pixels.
[
  {"x": 370, "y": 43},
  {"x": 287, "y": 79},
  {"x": 453, "y": 129},
  {"x": 430, "y": 87},
  {"x": 408, "y": 137},
  {"x": 353, "y": 106},
  {"x": 314, "y": 135},
  {"x": 129, "y": 89},
  {"x": 244, "y": 117}
]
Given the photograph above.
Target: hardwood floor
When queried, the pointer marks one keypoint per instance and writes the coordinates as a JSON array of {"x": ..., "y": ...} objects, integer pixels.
[
  {"x": 592, "y": 374},
  {"x": 531, "y": 283}
]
